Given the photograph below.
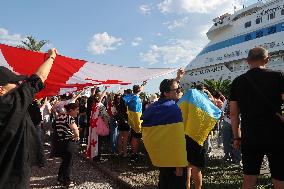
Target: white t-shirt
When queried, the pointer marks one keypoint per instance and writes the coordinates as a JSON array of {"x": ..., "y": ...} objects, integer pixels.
[
  {"x": 45, "y": 112},
  {"x": 226, "y": 109}
]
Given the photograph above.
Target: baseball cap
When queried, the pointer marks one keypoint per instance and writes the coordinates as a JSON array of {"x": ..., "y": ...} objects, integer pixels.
[{"x": 7, "y": 76}]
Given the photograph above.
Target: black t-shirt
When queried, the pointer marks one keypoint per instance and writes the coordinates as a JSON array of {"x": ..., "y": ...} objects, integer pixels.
[
  {"x": 35, "y": 114},
  {"x": 259, "y": 123},
  {"x": 83, "y": 115},
  {"x": 90, "y": 103},
  {"x": 82, "y": 109}
]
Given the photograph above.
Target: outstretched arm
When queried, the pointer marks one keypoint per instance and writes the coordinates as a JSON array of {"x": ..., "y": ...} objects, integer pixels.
[
  {"x": 44, "y": 69},
  {"x": 180, "y": 74},
  {"x": 103, "y": 94},
  {"x": 143, "y": 84},
  {"x": 77, "y": 96}
]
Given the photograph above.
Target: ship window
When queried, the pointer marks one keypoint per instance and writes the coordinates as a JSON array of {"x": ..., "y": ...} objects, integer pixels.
[
  {"x": 272, "y": 30},
  {"x": 259, "y": 34},
  {"x": 282, "y": 11},
  {"x": 248, "y": 37},
  {"x": 271, "y": 16},
  {"x": 258, "y": 20},
  {"x": 247, "y": 24}
]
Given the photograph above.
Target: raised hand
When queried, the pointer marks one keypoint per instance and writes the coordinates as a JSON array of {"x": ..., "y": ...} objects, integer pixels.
[{"x": 52, "y": 53}]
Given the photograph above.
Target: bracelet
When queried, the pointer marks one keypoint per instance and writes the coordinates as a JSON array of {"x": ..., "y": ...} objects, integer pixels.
[
  {"x": 52, "y": 58},
  {"x": 238, "y": 138}
]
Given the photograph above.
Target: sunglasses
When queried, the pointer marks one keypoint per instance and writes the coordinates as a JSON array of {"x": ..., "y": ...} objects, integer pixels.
[{"x": 177, "y": 90}]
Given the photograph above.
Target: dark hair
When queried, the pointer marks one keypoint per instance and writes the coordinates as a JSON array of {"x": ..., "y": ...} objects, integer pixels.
[
  {"x": 257, "y": 53},
  {"x": 71, "y": 106},
  {"x": 128, "y": 91},
  {"x": 217, "y": 94},
  {"x": 63, "y": 97},
  {"x": 116, "y": 100},
  {"x": 136, "y": 89},
  {"x": 165, "y": 86},
  {"x": 199, "y": 87},
  {"x": 158, "y": 95},
  {"x": 93, "y": 90},
  {"x": 97, "y": 90}
]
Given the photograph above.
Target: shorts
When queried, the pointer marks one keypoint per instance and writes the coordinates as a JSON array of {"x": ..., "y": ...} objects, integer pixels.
[
  {"x": 195, "y": 153},
  {"x": 252, "y": 163},
  {"x": 135, "y": 135}
]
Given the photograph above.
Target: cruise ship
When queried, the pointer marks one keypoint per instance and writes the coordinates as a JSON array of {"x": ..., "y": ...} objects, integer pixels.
[{"x": 232, "y": 35}]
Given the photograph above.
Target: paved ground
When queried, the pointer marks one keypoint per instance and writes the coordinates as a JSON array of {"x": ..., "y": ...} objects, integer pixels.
[{"x": 84, "y": 175}]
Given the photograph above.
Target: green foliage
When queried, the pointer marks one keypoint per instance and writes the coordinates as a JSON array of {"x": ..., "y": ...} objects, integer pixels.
[
  {"x": 221, "y": 85},
  {"x": 143, "y": 96},
  {"x": 32, "y": 44}
]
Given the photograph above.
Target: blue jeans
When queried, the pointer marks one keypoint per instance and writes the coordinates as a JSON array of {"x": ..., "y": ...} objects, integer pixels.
[
  {"x": 227, "y": 139},
  {"x": 231, "y": 153},
  {"x": 113, "y": 135}
]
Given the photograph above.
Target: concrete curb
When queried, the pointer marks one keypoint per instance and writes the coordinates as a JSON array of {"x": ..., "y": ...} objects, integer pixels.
[{"x": 113, "y": 176}]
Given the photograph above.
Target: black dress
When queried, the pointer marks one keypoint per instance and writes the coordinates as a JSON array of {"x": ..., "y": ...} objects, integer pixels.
[
  {"x": 121, "y": 117},
  {"x": 20, "y": 145}
]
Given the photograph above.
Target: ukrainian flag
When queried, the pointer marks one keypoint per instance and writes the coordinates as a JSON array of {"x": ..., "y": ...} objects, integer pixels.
[
  {"x": 134, "y": 111},
  {"x": 163, "y": 134},
  {"x": 199, "y": 115}
]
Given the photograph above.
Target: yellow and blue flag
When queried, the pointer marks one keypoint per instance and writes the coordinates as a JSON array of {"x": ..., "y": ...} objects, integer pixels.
[
  {"x": 199, "y": 115},
  {"x": 134, "y": 111},
  {"x": 163, "y": 134}
]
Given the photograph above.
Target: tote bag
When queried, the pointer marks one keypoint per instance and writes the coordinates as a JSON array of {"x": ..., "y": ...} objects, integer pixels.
[{"x": 102, "y": 128}]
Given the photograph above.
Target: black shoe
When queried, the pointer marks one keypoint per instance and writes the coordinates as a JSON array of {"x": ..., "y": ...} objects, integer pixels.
[
  {"x": 97, "y": 159},
  {"x": 60, "y": 182},
  {"x": 69, "y": 184},
  {"x": 134, "y": 157}
]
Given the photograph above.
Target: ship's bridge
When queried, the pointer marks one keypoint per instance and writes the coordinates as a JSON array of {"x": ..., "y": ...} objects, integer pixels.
[
  {"x": 227, "y": 20},
  {"x": 247, "y": 10}
]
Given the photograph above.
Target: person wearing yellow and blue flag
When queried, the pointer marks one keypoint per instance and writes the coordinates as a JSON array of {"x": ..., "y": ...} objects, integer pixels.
[
  {"x": 164, "y": 138},
  {"x": 134, "y": 111},
  {"x": 199, "y": 117}
]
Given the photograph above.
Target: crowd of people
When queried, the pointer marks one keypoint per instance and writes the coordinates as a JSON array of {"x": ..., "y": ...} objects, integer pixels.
[{"x": 250, "y": 127}]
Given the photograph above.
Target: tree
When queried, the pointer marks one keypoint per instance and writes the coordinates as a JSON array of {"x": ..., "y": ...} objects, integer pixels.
[
  {"x": 143, "y": 96},
  {"x": 32, "y": 44},
  {"x": 221, "y": 85}
]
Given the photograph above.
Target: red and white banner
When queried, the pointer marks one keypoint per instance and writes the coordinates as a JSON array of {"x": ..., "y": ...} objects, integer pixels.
[{"x": 68, "y": 74}]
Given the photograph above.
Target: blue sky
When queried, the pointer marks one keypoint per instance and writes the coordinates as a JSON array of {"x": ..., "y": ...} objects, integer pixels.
[{"x": 160, "y": 33}]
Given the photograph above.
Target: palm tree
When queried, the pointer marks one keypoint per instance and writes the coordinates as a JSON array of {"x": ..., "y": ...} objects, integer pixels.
[
  {"x": 221, "y": 85},
  {"x": 32, "y": 44}
]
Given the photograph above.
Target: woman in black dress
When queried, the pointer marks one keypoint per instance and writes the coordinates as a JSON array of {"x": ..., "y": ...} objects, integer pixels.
[{"x": 123, "y": 127}]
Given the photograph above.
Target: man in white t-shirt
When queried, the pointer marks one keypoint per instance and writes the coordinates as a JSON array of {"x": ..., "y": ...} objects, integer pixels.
[{"x": 46, "y": 110}]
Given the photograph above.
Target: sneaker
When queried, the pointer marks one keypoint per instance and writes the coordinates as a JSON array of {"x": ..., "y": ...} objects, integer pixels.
[{"x": 69, "y": 184}]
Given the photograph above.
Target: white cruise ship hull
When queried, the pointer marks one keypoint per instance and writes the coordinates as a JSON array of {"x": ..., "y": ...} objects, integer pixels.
[{"x": 225, "y": 56}]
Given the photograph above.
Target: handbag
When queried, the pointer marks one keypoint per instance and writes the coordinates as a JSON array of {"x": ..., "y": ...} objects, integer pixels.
[{"x": 102, "y": 128}]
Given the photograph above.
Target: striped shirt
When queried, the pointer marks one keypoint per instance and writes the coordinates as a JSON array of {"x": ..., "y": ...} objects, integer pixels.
[{"x": 62, "y": 127}]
